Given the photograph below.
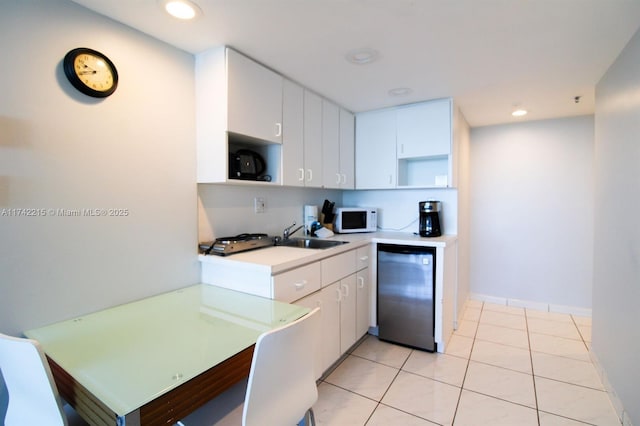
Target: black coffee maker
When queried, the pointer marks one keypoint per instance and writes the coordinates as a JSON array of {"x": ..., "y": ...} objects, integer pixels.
[{"x": 429, "y": 218}]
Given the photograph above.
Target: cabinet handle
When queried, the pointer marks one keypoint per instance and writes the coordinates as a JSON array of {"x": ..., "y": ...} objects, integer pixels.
[
  {"x": 309, "y": 175},
  {"x": 390, "y": 179},
  {"x": 360, "y": 282},
  {"x": 301, "y": 178},
  {"x": 339, "y": 294},
  {"x": 278, "y": 129},
  {"x": 346, "y": 292},
  {"x": 338, "y": 178},
  {"x": 300, "y": 285},
  {"x": 364, "y": 258},
  {"x": 344, "y": 179},
  {"x": 401, "y": 148}
]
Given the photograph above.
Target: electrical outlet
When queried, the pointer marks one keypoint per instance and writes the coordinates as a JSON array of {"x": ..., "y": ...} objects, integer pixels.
[{"x": 258, "y": 205}]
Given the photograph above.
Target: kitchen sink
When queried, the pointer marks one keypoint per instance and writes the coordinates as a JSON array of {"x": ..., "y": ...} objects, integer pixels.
[{"x": 310, "y": 243}]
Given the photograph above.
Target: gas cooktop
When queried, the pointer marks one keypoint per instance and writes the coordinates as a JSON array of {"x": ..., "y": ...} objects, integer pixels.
[{"x": 238, "y": 243}]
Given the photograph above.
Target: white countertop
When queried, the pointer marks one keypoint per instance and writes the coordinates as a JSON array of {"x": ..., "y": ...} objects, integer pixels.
[{"x": 279, "y": 259}]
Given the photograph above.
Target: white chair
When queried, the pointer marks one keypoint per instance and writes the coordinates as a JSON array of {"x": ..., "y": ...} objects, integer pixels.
[
  {"x": 282, "y": 386},
  {"x": 33, "y": 396}
]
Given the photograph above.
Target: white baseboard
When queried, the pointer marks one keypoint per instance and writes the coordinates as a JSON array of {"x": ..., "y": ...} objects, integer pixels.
[{"x": 538, "y": 306}]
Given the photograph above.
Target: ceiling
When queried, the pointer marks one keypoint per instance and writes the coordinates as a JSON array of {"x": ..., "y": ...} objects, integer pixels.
[{"x": 489, "y": 55}]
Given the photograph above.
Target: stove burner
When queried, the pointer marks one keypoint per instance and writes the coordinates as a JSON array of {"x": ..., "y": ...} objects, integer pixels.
[
  {"x": 240, "y": 237},
  {"x": 238, "y": 243}
]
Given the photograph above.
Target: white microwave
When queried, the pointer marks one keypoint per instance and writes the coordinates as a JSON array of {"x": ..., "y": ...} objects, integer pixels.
[{"x": 356, "y": 219}]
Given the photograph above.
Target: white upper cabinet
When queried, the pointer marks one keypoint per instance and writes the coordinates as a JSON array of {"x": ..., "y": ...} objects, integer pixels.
[
  {"x": 347, "y": 149},
  {"x": 293, "y": 170},
  {"x": 338, "y": 146},
  {"x": 243, "y": 105},
  {"x": 410, "y": 146},
  {"x": 376, "y": 149},
  {"x": 424, "y": 129},
  {"x": 331, "y": 145},
  {"x": 238, "y": 106},
  {"x": 255, "y": 99},
  {"x": 312, "y": 139}
]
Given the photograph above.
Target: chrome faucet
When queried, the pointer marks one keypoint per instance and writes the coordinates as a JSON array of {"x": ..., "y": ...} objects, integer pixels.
[{"x": 288, "y": 232}]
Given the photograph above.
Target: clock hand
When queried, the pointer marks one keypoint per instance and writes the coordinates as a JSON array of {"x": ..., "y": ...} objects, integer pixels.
[{"x": 87, "y": 72}]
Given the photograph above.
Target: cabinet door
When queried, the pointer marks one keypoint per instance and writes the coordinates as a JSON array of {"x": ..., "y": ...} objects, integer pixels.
[
  {"x": 292, "y": 134},
  {"x": 254, "y": 99},
  {"x": 424, "y": 129},
  {"x": 330, "y": 298},
  {"x": 376, "y": 149},
  {"x": 348, "y": 304},
  {"x": 347, "y": 150},
  {"x": 363, "y": 302},
  {"x": 312, "y": 139},
  {"x": 313, "y": 301},
  {"x": 331, "y": 177}
]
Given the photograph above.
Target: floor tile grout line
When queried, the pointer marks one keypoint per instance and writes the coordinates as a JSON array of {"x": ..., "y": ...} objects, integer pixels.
[
  {"x": 431, "y": 378},
  {"x": 389, "y": 387},
  {"x": 466, "y": 370},
  {"x": 353, "y": 392},
  {"x": 533, "y": 376},
  {"x": 572, "y": 384},
  {"x": 378, "y": 362},
  {"x": 562, "y": 356},
  {"x": 407, "y": 412},
  {"x": 569, "y": 418},
  {"x": 580, "y": 333},
  {"x": 502, "y": 399}
]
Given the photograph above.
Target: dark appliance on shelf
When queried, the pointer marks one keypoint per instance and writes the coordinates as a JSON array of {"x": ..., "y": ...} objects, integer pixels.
[
  {"x": 236, "y": 244},
  {"x": 246, "y": 164},
  {"x": 406, "y": 288},
  {"x": 429, "y": 218}
]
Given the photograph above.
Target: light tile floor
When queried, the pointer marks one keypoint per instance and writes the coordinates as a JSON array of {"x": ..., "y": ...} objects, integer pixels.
[{"x": 503, "y": 366}]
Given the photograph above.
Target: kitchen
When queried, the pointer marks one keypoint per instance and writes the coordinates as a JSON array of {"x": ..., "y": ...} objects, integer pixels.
[{"x": 140, "y": 156}]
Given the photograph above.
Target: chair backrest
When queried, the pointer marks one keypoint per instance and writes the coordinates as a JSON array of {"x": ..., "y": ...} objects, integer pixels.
[
  {"x": 33, "y": 396},
  {"x": 282, "y": 385}
]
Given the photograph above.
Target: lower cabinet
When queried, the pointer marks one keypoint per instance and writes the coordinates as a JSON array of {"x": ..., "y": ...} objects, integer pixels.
[
  {"x": 363, "y": 302},
  {"x": 344, "y": 307},
  {"x": 339, "y": 285},
  {"x": 318, "y": 351},
  {"x": 348, "y": 302}
]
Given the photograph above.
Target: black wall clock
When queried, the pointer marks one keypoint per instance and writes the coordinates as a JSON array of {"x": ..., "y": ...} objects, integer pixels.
[{"x": 91, "y": 72}]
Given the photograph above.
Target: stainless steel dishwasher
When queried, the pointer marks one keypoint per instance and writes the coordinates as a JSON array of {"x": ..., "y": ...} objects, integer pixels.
[{"x": 406, "y": 281}]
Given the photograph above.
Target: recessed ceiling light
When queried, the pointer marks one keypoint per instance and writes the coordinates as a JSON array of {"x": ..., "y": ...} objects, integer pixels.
[
  {"x": 181, "y": 9},
  {"x": 400, "y": 91},
  {"x": 519, "y": 112},
  {"x": 362, "y": 56}
]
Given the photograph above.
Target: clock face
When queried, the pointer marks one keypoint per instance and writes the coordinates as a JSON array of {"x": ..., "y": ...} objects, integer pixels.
[{"x": 91, "y": 72}]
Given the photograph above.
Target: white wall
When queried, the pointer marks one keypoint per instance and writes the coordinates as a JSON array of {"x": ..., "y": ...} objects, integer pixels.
[
  {"x": 398, "y": 208},
  {"x": 616, "y": 292},
  {"x": 463, "y": 156},
  {"x": 227, "y": 210},
  {"x": 531, "y": 211},
  {"x": 62, "y": 150}
]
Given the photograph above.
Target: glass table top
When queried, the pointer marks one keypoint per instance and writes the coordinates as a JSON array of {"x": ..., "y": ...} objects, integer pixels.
[{"x": 128, "y": 355}]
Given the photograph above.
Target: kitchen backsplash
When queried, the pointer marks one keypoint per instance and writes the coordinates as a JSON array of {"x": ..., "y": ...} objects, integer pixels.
[
  {"x": 398, "y": 208},
  {"x": 226, "y": 210}
]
